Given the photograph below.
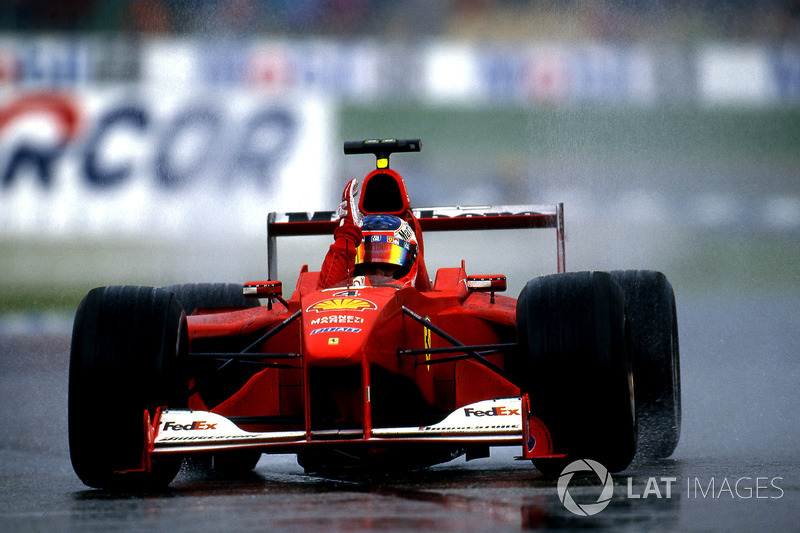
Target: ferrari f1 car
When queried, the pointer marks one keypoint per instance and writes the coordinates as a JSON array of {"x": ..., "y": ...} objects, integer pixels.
[{"x": 367, "y": 377}]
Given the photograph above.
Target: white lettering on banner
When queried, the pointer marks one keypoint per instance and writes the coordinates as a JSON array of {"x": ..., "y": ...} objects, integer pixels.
[
  {"x": 451, "y": 73},
  {"x": 105, "y": 162},
  {"x": 278, "y": 67},
  {"x": 52, "y": 62},
  {"x": 440, "y": 70},
  {"x": 557, "y": 74},
  {"x": 731, "y": 75},
  {"x": 786, "y": 68}
]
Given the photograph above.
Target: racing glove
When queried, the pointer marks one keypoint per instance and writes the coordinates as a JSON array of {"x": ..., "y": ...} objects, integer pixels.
[{"x": 348, "y": 210}]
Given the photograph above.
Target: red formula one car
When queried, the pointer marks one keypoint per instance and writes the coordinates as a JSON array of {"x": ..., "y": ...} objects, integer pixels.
[{"x": 370, "y": 376}]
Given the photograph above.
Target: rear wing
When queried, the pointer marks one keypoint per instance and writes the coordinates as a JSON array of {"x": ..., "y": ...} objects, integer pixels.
[{"x": 430, "y": 219}]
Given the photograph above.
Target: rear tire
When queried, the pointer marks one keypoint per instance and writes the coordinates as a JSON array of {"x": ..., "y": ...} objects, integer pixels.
[
  {"x": 656, "y": 359},
  {"x": 126, "y": 344},
  {"x": 193, "y": 296},
  {"x": 574, "y": 353}
]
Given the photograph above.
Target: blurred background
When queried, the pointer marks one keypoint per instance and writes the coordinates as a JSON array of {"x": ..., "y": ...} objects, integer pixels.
[{"x": 145, "y": 141}]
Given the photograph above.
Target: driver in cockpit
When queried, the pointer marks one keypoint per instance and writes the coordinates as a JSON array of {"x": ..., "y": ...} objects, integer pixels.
[{"x": 373, "y": 249}]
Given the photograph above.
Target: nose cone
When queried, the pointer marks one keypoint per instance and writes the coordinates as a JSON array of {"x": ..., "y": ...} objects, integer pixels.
[
  {"x": 336, "y": 328},
  {"x": 334, "y": 346}
]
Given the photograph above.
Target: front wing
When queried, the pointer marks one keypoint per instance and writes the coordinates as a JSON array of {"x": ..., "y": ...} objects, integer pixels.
[{"x": 497, "y": 422}]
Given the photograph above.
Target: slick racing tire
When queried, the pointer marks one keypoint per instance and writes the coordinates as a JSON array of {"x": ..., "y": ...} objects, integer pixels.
[
  {"x": 125, "y": 358},
  {"x": 573, "y": 341},
  {"x": 207, "y": 295},
  {"x": 656, "y": 360}
]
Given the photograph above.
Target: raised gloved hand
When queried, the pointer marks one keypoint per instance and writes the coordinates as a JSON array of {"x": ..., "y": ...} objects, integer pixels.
[{"x": 348, "y": 210}]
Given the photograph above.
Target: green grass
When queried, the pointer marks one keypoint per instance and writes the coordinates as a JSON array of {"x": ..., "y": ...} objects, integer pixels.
[
  {"x": 57, "y": 298},
  {"x": 544, "y": 131},
  {"x": 703, "y": 262},
  {"x": 736, "y": 262},
  {"x": 54, "y": 275},
  {"x": 604, "y": 149}
]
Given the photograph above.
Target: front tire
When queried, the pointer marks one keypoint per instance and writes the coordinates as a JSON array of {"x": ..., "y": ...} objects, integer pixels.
[
  {"x": 656, "y": 359},
  {"x": 574, "y": 355},
  {"x": 124, "y": 359}
]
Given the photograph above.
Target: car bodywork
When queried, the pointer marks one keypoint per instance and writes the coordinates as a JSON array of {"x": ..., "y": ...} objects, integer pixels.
[
  {"x": 382, "y": 376},
  {"x": 362, "y": 369}
]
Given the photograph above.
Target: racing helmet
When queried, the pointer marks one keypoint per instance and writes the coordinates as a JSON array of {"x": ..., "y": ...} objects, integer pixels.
[{"x": 388, "y": 240}]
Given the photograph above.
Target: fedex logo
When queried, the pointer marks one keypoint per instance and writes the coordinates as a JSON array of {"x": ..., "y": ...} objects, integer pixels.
[
  {"x": 197, "y": 425},
  {"x": 494, "y": 411}
]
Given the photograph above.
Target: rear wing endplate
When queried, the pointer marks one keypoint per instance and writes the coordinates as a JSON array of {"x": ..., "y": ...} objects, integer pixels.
[{"x": 430, "y": 219}]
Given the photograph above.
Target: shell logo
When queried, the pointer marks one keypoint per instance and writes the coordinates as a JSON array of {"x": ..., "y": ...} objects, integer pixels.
[{"x": 342, "y": 304}]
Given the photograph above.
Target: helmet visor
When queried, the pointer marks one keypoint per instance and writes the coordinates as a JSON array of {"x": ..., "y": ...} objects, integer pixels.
[{"x": 386, "y": 249}]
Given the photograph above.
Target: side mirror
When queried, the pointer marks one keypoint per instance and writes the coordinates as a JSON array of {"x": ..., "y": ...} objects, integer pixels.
[
  {"x": 490, "y": 283},
  {"x": 271, "y": 290},
  {"x": 263, "y": 289}
]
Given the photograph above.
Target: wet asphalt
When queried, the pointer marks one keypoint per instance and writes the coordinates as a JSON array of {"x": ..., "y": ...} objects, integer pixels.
[{"x": 737, "y": 466}]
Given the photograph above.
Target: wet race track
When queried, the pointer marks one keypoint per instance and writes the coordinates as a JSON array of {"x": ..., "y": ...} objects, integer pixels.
[{"x": 737, "y": 466}]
